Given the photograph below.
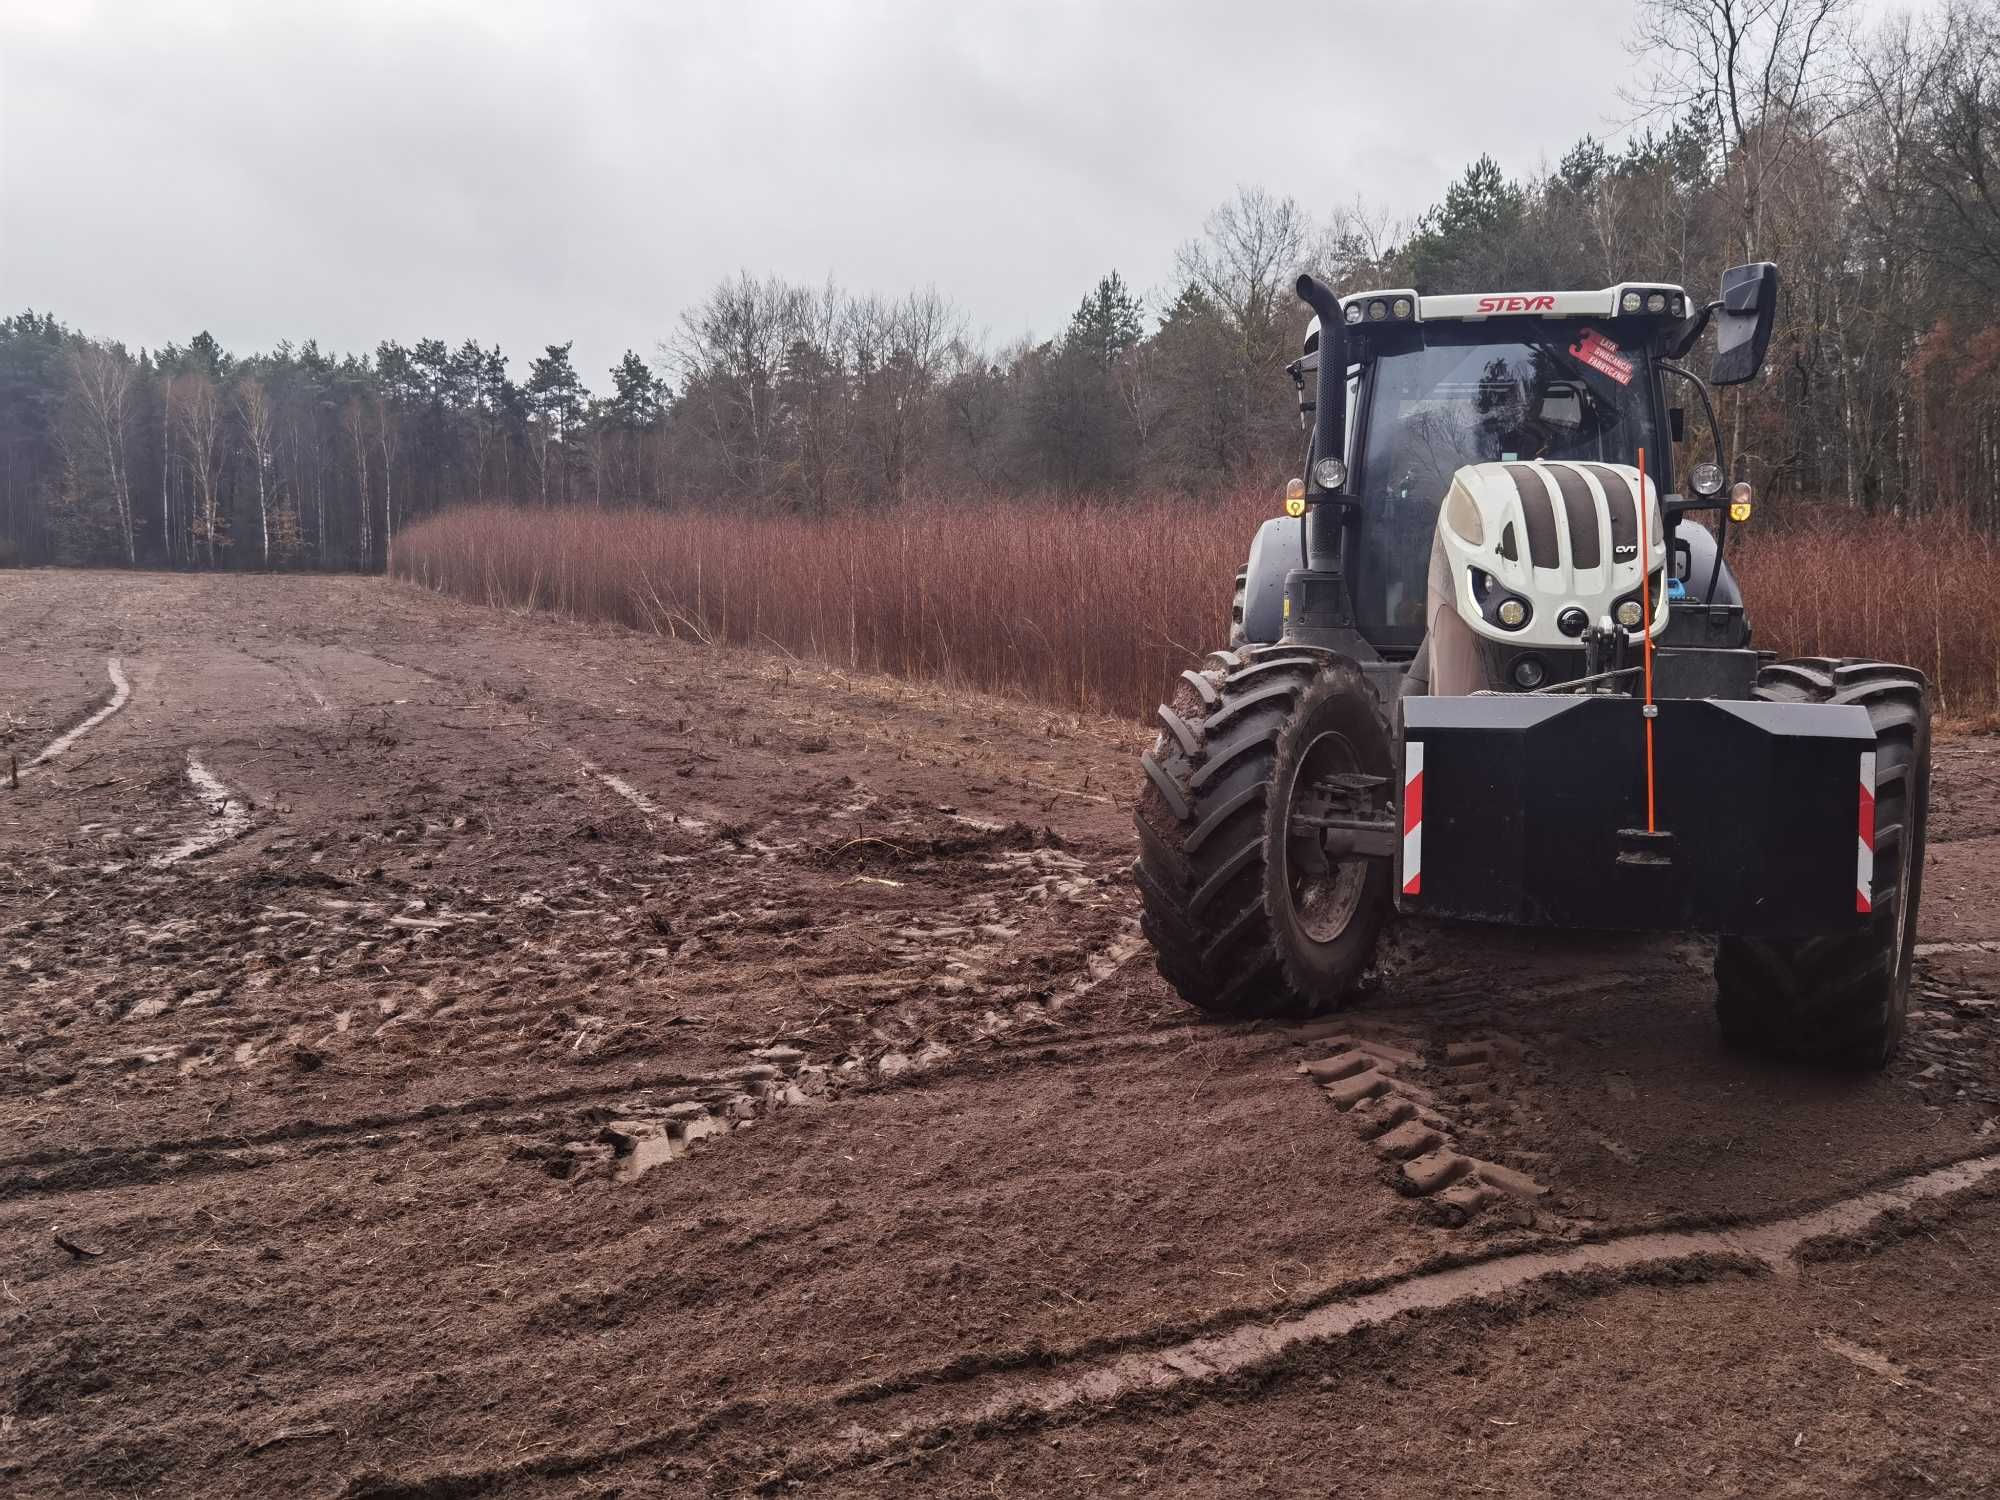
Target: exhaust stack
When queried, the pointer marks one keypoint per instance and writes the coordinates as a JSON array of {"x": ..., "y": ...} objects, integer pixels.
[{"x": 1330, "y": 410}]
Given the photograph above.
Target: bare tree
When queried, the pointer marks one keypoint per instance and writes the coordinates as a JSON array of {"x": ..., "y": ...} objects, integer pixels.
[
  {"x": 1770, "y": 77},
  {"x": 203, "y": 451},
  {"x": 253, "y": 411},
  {"x": 1253, "y": 246},
  {"x": 816, "y": 393},
  {"x": 1957, "y": 156},
  {"x": 1354, "y": 247},
  {"x": 900, "y": 350},
  {"x": 727, "y": 355},
  {"x": 102, "y": 378},
  {"x": 167, "y": 535},
  {"x": 389, "y": 438},
  {"x": 1141, "y": 391},
  {"x": 354, "y": 418}
]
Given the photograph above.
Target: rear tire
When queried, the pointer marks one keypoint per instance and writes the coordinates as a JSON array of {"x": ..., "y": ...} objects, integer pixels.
[
  {"x": 1842, "y": 998},
  {"x": 1246, "y": 920}
]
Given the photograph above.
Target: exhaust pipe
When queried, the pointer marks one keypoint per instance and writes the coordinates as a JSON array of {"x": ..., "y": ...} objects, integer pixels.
[{"x": 1330, "y": 412}]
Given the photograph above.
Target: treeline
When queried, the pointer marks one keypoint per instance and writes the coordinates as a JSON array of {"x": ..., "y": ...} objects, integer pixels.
[{"x": 1866, "y": 164}]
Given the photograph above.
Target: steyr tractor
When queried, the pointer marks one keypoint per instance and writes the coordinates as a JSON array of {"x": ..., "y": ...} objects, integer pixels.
[{"x": 1489, "y": 667}]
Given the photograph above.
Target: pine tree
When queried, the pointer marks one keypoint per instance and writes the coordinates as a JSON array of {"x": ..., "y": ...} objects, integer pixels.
[{"x": 1107, "y": 323}]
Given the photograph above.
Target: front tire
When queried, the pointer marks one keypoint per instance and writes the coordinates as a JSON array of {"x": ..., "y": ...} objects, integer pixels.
[
  {"x": 1842, "y": 999},
  {"x": 1247, "y": 917}
]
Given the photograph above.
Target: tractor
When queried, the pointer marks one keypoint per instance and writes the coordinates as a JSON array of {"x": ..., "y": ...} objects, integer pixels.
[{"x": 1490, "y": 666}]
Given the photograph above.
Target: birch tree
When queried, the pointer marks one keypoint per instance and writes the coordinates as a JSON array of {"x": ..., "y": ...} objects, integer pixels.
[
  {"x": 102, "y": 376},
  {"x": 253, "y": 411},
  {"x": 202, "y": 441}
]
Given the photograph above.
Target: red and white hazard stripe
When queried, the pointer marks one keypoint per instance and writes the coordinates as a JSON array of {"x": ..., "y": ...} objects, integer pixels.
[
  {"x": 1413, "y": 817},
  {"x": 1864, "y": 858}
]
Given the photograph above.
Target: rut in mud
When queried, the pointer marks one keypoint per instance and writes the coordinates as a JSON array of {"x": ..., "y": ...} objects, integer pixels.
[
  {"x": 120, "y": 691},
  {"x": 493, "y": 1054}
]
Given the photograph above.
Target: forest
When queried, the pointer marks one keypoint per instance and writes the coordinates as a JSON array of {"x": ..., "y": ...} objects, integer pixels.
[{"x": 1862, "y": 159}]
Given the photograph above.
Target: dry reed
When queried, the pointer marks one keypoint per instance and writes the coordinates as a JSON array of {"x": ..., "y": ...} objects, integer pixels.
[{"x": 1096, "y": 606}]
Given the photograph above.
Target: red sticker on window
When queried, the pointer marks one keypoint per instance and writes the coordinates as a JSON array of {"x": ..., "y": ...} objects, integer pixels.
[{"x": 1597, "y": 351}]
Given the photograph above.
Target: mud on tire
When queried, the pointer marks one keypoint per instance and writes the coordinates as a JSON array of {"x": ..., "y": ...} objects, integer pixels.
[
  {"x": 1217, "y": 878},
  {"x": 1842, "y": 998}
]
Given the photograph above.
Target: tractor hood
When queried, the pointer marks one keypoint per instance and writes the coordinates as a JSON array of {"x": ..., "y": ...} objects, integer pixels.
[{"x": 1531, "y": 553}]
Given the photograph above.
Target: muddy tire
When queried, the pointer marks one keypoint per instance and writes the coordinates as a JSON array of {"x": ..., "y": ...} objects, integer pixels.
[
  {"x": 1238, "y": 636},
  {"x": 1842, "y": 999},
  {"x": 1246, "y": 920}
]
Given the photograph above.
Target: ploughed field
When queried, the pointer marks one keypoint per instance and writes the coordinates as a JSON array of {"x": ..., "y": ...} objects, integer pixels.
[{"x": 446, "y": 1052}]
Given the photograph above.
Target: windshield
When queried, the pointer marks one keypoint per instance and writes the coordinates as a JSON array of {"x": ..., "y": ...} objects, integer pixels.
[{"x": 1449, "y": 394}]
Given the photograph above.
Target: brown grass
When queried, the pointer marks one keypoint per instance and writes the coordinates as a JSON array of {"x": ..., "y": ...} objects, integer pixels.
[
  {"x": 1918, "y": 592},
  {"x": 1093, "y": 607},
  {"x": 1096, "y": 606}
]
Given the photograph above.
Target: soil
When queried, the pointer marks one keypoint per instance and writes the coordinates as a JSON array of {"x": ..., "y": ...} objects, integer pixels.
[{"x": 446, "y": 1052}]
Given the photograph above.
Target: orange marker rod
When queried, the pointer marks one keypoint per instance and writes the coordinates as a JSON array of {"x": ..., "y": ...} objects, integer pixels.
[{"x": 1646, "y": 633}]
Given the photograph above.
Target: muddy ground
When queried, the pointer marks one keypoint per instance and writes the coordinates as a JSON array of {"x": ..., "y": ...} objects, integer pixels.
[{"x": 447, "y": 1053}]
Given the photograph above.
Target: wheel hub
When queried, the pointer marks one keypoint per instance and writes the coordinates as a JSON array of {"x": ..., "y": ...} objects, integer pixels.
[{"x": 1328, "y": 788}]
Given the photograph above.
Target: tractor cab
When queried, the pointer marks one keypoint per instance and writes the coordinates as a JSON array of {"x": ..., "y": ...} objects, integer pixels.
[
  {"x": 1436, "y": 384},
  {"x": 1531, "y": 410}
]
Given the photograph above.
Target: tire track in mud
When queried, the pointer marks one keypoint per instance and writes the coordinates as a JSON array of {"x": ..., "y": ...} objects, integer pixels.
[
  {"x": 477, "y": 696},
  {"x": 39, "y": 1172},
  {"x": 229, "y": 817},
  {"x": 650, "y": 810},
  {"x": 1774, "y": 1245},
  {"x": 1415, "y": 1103},
  {"x": 1771, "y": 1247},
  {"x": 121, "y": 693},
  {"x": 775, "y": 1077}
]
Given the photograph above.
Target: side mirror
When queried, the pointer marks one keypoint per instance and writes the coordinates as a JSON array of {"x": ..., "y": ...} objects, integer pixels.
[{"x": 1743, "y": 322}]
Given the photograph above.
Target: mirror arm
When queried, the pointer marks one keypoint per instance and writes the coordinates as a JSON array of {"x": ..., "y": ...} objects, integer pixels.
[
  {"x": 1708, "y": 410},
  {"x": 1718, "y": 500},
  {"x": 1688, "y": 332}
]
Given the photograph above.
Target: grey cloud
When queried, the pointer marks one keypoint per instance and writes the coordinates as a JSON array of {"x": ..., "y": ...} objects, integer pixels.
[{"x": 533, "y": 173}]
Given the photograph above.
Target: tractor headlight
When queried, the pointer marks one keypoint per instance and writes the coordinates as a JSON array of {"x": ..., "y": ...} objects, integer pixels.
[
  {"x": 1402, "y": 307},
  {"x": 1377, "y": 310},
  {"x": 1705, "y": 479},
  {"x": 1353, "y": 313},
  {"x": 1330, "y": 474},
  {"x": 1630, "y": 302},
  {"x": 1657, "y": 302},
  {"x": 1630, "y": 614},
  {"x": 1512, "y": 613},
  {"x": 1529, "y": 672},
  {"x": 1461, "y": 514}
]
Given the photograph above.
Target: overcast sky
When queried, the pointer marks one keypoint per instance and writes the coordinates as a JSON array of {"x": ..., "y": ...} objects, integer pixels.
[{"x": 539, "y": 172}]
